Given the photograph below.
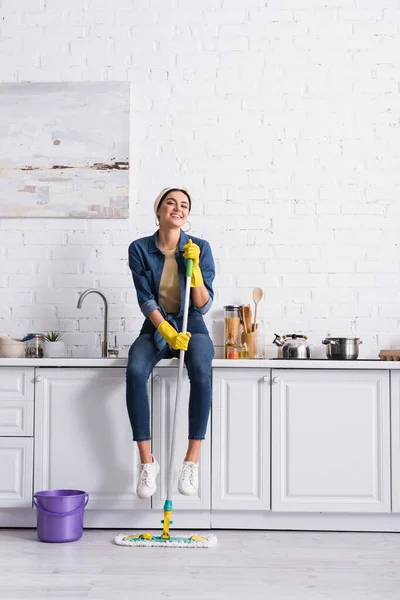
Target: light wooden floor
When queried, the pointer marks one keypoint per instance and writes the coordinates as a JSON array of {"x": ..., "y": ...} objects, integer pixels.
[{"x": 249, "y": 565}]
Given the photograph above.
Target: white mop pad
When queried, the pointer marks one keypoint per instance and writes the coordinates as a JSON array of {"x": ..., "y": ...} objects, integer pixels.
[{"x": 146, "y": 539}]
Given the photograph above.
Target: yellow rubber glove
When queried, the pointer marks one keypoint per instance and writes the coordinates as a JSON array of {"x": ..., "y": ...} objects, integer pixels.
[
  {"x": 177, "y": 341},
  {"x": 193, "y": 251}
]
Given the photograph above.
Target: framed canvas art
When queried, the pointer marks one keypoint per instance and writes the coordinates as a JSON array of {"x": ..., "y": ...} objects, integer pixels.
[{"x": 64, "y": 150}]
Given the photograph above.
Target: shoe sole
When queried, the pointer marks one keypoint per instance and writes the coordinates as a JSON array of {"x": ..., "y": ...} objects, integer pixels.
[{"x": 186, "y": 494}]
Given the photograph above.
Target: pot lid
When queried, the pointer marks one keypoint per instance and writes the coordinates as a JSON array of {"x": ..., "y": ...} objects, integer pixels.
[
  {"x": 342, "y": 339},
  {"x": 294, "y": 336}
]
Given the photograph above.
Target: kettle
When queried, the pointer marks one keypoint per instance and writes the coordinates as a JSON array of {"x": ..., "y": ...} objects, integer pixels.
[{"x": 292, "y": 345}]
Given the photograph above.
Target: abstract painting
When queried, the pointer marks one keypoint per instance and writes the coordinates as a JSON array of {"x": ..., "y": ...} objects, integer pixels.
[{"x": 64, "y": 150}]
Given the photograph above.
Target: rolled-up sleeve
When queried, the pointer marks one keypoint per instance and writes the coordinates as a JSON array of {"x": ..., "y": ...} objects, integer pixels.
[
  {"x": 145, "y": 295},
  {"x": 207, "y": 267}
]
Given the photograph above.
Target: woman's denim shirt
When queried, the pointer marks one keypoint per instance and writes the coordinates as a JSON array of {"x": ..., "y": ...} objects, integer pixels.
[{"x": 146, "y": 262}]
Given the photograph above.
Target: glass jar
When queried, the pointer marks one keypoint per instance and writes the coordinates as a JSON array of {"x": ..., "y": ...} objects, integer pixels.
[
  {"x": 231, "y": 326},
  {"x": 113, "y": 351},
  {"x": 233, "y": 352},
  {"x": 34, "y": 347},
  {"x": 244, "y": 351},
  {"x": 260, "y": 345}
]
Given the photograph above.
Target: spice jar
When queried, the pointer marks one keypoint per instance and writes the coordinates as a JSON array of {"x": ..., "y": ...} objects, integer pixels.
[
  {"x": 244, "y": 351},
  {"x": 34, "y": 347},
  {"x": 233, "y": 352},
  {"x": 231, "y": 326}
]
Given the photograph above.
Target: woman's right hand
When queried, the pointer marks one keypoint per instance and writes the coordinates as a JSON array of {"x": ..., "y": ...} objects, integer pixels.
[{"x": 177, "y": 341}]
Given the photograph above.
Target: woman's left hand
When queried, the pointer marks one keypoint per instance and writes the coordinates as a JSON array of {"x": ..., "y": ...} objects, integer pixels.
[{"x": 193, "y": 251}]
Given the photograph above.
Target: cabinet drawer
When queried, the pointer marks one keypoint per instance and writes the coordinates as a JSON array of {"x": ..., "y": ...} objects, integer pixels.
[{"x": 16, "y": 401}]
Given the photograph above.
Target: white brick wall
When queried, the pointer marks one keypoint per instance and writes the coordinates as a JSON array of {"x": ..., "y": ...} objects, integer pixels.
[{"x": 282, "y": 119}]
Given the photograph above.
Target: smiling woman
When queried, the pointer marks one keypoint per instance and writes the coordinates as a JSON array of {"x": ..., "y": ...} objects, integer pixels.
[
  {"x": 173, "y": 207},
  {"x": 158, "y": 265},
  {"x": 173, "y": 198}
]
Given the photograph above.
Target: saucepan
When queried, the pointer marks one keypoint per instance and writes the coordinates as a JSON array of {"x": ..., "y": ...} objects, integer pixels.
[{"x": 342, "y": 348}]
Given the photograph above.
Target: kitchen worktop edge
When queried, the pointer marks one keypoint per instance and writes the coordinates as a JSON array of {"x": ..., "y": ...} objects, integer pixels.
[{"x": 218, "y": 362}]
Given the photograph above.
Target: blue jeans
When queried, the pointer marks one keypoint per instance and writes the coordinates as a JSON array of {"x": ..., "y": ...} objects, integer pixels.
[{"x": 144, "y": 355}]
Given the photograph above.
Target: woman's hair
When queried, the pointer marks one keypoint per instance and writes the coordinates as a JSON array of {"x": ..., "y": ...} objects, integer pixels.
[{"x": 175, "y": 190}]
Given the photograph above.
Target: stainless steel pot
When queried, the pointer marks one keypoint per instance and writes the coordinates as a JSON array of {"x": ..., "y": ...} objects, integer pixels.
[{"x": 342, "y": 348}]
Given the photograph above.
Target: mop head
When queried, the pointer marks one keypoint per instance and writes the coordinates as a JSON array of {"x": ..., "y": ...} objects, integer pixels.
[{"x": 147, "y": 539}]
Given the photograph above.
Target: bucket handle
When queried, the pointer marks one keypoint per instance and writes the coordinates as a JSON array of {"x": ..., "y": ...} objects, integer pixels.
[{"x": 57, "y": 514}]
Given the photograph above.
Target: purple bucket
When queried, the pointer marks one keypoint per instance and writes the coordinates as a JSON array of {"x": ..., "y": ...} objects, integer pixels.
[{"x": 60, "y": 514}]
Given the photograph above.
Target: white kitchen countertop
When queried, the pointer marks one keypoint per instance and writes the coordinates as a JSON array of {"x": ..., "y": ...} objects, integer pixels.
[{"x": 218, "y": 362}]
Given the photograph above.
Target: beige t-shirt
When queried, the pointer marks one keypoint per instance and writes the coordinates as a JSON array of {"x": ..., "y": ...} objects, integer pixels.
[{"x": 169, "y": 295}]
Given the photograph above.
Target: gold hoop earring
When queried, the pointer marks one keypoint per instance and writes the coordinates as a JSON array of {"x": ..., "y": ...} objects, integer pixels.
[
  {"x": 190, "y": 227},
  {"x": 157, "y": 224}
]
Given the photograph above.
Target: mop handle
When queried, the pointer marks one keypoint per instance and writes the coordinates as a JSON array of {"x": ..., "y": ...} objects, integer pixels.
[{"x": 189, "y": 270}]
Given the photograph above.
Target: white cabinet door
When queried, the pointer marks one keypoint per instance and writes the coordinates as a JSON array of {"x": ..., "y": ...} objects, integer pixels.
[
  {"x": 330, "y": 441},
  {"x": 16, "y": 472},
  {"x": 241, "y": 439},
  {"x": 16, "y": 401},
  {"x": 395, "y": 423},
  {"x": 83, "y": 439},
  {"x": 164, "y": 396}
]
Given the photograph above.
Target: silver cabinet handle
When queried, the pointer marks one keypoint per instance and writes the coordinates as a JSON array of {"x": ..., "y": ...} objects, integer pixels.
[
  {"x": 156, "y": 378},
  {"x": 276, "y": 380},
  {"x": 39, "y": 378},
  {"x": 266, "y": 379}
]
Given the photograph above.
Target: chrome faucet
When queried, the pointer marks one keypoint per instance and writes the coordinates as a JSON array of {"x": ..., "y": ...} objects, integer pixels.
[{"x": 104, "y": 345}]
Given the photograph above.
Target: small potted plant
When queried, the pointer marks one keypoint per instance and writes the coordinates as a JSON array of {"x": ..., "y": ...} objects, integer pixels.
[{"x": 53, "y": 345}]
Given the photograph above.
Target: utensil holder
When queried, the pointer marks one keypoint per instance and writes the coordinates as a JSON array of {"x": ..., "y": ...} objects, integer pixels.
[{"x": 251, "y": 340}]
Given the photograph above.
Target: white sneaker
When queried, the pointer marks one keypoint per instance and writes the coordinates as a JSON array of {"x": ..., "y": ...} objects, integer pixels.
[
  {"x": 147, "y": 479},
  {"x": 188, "y": 479}
]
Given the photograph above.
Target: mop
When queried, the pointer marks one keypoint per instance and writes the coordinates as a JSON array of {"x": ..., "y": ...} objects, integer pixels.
[{"x": 165, "y": 539}]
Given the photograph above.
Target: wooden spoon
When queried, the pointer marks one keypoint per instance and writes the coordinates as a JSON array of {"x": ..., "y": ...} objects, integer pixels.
[
  {"x": 257, "y": 295},
  {"x": 242, "y": 319},
  {"x": 247, "y": 316}
]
